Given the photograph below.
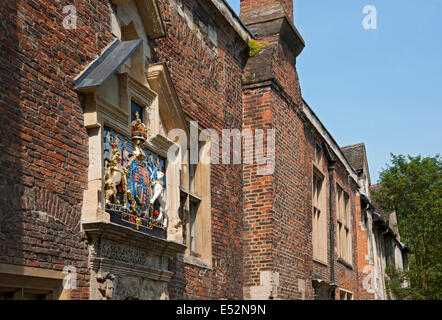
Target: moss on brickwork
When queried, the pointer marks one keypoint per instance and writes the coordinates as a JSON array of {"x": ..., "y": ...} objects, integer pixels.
[{"x": 256, "y": 46}]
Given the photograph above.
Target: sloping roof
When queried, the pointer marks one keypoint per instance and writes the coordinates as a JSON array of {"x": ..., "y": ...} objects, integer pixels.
[
  {"x": 388, "y": 219},
  {"x": 102, "y": 68},
  {"x": 356, "y": 154},
  {"x": 328, "y": 138},
  {"x": 378, "y": 209}
]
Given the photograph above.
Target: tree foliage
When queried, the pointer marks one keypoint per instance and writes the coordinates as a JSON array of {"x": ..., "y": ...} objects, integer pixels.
[{"x": 412, "y": 187}]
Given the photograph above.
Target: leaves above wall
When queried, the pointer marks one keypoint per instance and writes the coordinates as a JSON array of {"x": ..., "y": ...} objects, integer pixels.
[{"x": 412, "y": 187}]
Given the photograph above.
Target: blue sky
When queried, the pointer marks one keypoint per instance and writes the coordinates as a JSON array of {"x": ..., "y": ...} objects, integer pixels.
[{"x": 382, "y": 87}]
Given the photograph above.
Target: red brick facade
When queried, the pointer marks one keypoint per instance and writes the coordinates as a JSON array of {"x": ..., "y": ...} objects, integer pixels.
[
  {"x": 286, "y": 231},
  {"x": 44, "y": 160},
  {"x": 207, "y": 77},
  {"x": 259, "y": 223}
]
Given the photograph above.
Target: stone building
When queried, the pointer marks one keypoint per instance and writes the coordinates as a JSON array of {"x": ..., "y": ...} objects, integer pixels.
[{"x": 102, "y": 196}]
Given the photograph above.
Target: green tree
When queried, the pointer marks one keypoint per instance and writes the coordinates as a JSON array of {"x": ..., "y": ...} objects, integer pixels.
[{"x": 412, "y": 187}]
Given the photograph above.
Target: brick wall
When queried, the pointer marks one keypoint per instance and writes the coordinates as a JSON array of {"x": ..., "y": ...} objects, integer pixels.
[
  {"x": 259, "y": 223},
  {"x": 346, "y": 277},
  {"x": 364, "y": 267},
  {"x": 293, "y": 178},
  {"x": 258, "y": 192},
  {"x": 278, "y": 229},
  {"x": 206, "y": 70},
  {"x": 277, "y": 215},
  {"x": 292, "y": 201},
  {"x": 43, "y": 142}
]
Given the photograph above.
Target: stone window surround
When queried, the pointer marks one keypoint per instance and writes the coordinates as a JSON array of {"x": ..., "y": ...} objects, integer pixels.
[
  {"x": 346, "y": 293},
  {"x": 346, "y": 261},
  {"x": 321, "y": 256},
  {"x": 29, "y": 278},
  {"x": 201, "y": 195}
]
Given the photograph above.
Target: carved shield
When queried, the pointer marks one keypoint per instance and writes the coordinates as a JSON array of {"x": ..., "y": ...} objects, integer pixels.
[{"x": 139, "y": 185}]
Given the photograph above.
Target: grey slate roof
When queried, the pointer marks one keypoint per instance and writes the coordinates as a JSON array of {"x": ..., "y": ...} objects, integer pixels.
[{"x": 99, "y": 71}]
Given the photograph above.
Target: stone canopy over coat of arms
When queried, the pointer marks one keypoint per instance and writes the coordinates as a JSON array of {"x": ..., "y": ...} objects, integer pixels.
[{"x": 135, "y": 192}]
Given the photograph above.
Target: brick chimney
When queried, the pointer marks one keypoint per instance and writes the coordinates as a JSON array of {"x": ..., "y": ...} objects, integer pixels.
[{"x": 252, "y": 8}]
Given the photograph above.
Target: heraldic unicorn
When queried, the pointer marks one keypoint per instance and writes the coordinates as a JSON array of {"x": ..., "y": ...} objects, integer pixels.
[{"x": 134, "y": 179}]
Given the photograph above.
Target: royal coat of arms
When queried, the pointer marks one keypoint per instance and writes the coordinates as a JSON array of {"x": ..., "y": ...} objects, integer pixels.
[
  {"x": 134, "y": 180},
  {"x": 139, "y": 184}
]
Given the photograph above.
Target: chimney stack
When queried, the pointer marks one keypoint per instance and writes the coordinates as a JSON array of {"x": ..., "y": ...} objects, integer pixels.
[{"x": 253, "y": 8}]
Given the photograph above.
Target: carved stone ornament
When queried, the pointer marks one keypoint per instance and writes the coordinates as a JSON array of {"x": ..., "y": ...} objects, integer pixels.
[
  {"x": 105, "y": 285},
  {"x": 128, "y": 265},
  {"x": 129, "y": 171}
]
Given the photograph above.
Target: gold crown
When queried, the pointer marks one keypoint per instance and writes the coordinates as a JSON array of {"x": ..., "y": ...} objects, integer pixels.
[
  {"x": 139, "y": 130},
  {"x": 114, "y": 144}
]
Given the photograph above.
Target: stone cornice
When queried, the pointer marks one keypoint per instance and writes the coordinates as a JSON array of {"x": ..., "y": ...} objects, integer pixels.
[
  {"x": 135, "y": 239},
  {"x": 279, "y": 26}
]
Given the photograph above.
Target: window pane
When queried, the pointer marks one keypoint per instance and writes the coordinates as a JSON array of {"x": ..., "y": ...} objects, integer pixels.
[
  {"x": 7, "y": 293},
  {"x": 338, "y": 242},
  {"x": 193, "y": 232},
  {"x": 349, "y": 251},
  {"x": 315, "y": 231},
  {"x": 339, "y": 202},
  {"x": 134, "y": 107},
  {"x": 342, "y": 295},
  {"x": 33, "y": 296},
  {"x": 192, "y": 172},
  {"x": 342, "y": 207},
  {"x": 343, "y": 244}
]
